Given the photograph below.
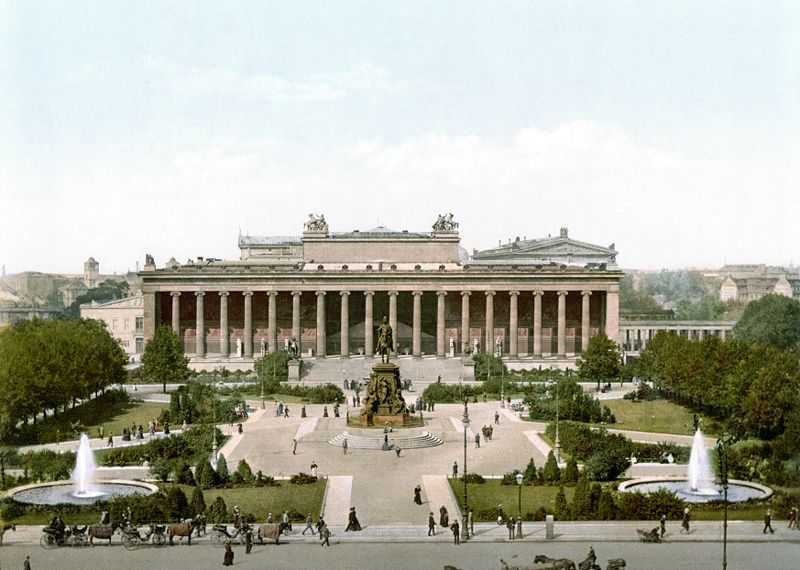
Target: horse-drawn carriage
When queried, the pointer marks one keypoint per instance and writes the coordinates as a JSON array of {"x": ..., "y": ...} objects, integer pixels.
[{"x": 132, "y": 538}]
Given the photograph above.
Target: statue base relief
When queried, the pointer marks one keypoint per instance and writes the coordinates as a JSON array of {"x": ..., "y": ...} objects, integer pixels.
[
  {"x": 294, "y": 371},
  {"x": 383, "y": 403}
]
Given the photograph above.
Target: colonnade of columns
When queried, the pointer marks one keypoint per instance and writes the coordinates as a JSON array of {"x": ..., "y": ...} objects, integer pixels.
[
  {"x": 611, "y": 320},
  {"x": 638, "y": 337}
]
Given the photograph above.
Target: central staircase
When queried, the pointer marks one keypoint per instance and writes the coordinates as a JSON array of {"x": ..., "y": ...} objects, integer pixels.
[
  {"x": 403, "y": 440},
  {"x": 335, "y": 369}
]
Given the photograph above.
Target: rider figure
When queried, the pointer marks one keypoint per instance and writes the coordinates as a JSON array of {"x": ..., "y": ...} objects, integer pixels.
[{"x": 591, "y": 557}]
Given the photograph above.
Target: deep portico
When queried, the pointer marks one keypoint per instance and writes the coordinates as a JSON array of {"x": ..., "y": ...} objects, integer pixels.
[{"x": 536, "y": 300}]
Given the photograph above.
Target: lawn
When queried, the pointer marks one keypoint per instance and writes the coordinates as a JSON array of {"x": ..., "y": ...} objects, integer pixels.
[
  {"x": 90, "y": 416},
  {"x": 487, "y": 496},
  {"x": 255, "y": 500},
  {"x": 659, "y": 416}
]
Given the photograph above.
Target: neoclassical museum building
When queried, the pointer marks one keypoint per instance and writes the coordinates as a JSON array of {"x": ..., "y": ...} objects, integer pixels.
[{"x": 537, "y": 301}]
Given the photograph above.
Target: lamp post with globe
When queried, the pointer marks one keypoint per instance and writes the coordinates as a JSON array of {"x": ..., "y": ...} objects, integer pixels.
[
  {"x": 465, "y": 527},
  {"x": 519, "y": 504}
]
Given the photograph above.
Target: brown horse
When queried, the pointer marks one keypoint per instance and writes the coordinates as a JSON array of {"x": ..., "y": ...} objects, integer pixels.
[
  {"x": 182, "y": 529},
  {"x": 3, "y": 530},
  {"x": 101, "y": 531},
  {"x": 271, "y": 531},
  {"x": 557, "y": 563}
]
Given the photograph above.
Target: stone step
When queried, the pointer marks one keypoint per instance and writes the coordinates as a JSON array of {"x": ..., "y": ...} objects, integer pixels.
[
  {"x": 424, "y": 370},
  {"x": 408, "y": 441}
]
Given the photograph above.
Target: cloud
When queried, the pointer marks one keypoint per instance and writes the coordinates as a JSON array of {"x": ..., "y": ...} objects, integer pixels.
[{"x": 258, "y": 85}]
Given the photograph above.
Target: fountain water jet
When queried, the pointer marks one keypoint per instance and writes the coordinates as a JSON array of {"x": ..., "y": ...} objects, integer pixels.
[
  {"x": 83, "y": 474},
  {"x": 701, "y": 477}
]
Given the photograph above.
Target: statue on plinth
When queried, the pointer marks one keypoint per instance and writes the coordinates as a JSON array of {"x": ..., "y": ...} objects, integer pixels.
[
  {"x": 385, "y": 341},
  {"x": 293, "y": 349}
]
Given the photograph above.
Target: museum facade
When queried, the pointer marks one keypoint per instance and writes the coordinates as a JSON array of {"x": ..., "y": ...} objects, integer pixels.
[{"x": 532, "y": 300}]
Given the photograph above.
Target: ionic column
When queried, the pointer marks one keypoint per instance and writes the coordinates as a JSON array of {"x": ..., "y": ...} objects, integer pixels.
[
  {"x": 344, "y": 330},
  {"x": 537, "y": 323},
  {"x": 722, "y": 333},
  {"x": 416, "y": 338},
  {"x": 224, "y": 341},
  {"x": 296, "y": 295},
  {"x": 465, "y": 340},
  {"x": 320, "y": 323},
  {"x": 513, "y": 325},
  {"x": 585, "y": 305},
  {"x": 612, "y": 315},
  {"x": 368, "y": 342},
  {"x": 176, "y": 313},
  {"x": 701, "y": 334},
  {"x": 247, "y": 351},
  {"x": 562, "y": 323},
  {"x": 440, "y": 300},
  {"x": 272, "y": 321},
  {"x": 200, "y": 325},
  {"x": 489, "y": 321},
  {"x": 393, "y": 318}
]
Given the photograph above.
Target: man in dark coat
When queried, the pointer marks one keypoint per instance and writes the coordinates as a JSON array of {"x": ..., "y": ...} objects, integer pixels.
[
  {"x": 418, "y": 495},
  {"x": 431, "y": 525},
  {"x": 444, "y": 517},
  {"x": 768, "y": 522},
  {"x": 510, "y": 527},
  {"x": 456, "y": 528},
  {"x": 227, "y": 559},
  {"x": 248, "y": 538},
  {"x": 352, "y": 521}
]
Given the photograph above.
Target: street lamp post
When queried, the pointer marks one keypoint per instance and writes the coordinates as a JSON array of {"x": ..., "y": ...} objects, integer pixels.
[
  {"x": 498, "y": 351},
  {"x": 723, "y": 443},
  {"x": 465, "y": 527},
  {"x": 557, "y": 445},
  {"x": 519, "y": 505}
]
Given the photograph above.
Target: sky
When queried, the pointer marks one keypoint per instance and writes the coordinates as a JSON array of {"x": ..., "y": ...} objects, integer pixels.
[{"x": 671, "y": 129}]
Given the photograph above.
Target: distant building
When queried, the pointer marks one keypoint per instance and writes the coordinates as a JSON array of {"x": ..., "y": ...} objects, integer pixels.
[
  {"x": 12, "y": 315},
  {"x": 91, "y": 273},
  {"x": 745, "y": 283},
  {"x": 124, "y": 319}
]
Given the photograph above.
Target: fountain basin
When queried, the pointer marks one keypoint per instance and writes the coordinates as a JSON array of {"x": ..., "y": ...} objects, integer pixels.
[
  {"x": 60, "y": 492},
  {"x": 738, "y": 491}
]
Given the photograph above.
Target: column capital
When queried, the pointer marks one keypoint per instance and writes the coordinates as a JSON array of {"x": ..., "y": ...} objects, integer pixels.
[
  {"x": 369, "y": 293},
  {"x": 490, "y": 293},
  {"x": 441, "y": 293},
  {"x": 223, "y": 293},
  {"x": 466, "y": 293},
  {"x": 393, "y": 293},
  {"x": 538, "y": 293},
  {"x": 586, "y": 293},
  {"x": 513, "y": 293},
  {"x": 562, "y": 293},
  {"x": 247, "y": 293},
  {"x": 272, "y": 293},
  {"x": 344, "y": 293},
  {"x": 175, "y": 293},
  {"x": 417, "y": 293},
  {"x": 296, "y": 293},
  {"x": 199, "y": 293},
  {"x": 320, "y": 293}
]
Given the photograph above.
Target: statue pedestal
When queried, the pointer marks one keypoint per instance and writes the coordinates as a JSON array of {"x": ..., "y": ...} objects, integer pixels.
[
  {"x": 384, "y": 403},
  {"x": 468, "y": 368},
  {"x": 294, "y": 371}
]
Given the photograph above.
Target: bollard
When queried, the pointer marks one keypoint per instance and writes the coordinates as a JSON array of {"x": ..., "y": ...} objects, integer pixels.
[{"x": 549, "y": 527}]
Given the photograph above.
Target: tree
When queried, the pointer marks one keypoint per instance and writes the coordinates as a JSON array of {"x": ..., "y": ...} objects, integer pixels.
[
  {"x": 163, "y": 359},
  {"x": 272, "y": 369},
  {"x": 204, "y": 475},
  {"x": 581, "y": 506},
  {"x": 108, "y": 290},
  {"x": 773, "y": 320},
  {"x": 177, "y": 504},
  {"x": 223, "y": 474},
  {"x": 198, "y": 503},
  {"x": 530, "y": 475},
  {"x": 561, "y": 509},
  {"x": 600, "y": 361},
  {"x": 218, "y": 511},
  {"x": 486, "y": 363},
  {"x": 606, "y": 508},
  {"x": 243, "y": 472},
  {"x": 571, "y": 472},
  {"x": 552, "y": 473}
]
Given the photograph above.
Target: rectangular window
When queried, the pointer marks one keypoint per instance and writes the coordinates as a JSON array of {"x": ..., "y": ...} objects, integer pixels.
[
  {"x": 125, "y": 325},
  {"x": 114, "y": 324},
  {"x": 139, "y": 324},
  {"x": 139, "y": 345}
]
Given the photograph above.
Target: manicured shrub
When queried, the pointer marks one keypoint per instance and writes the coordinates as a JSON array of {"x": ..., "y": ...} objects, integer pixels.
[
  {"x": 606, "y": 507},
  {"x": 302, "y": 479},
  {"x": 177, "y": 504},
  {"x": 581, "y": 506},
  {"x": 198, "y": 502},
  {"x": 218, "y": 511},
  {"x": 510, "y": 478},
  {"x": 638, "y": 506},
  {"x": 571, "y": 471},
  {"x": 183, "y": 474},
  {"x": 551, "y": 473},
  {"x": 561, "y": 508},
  {"x": 223, "y": 475},
  {"x": 530, "y": 474},
  {"x": 475, "y": 479}
]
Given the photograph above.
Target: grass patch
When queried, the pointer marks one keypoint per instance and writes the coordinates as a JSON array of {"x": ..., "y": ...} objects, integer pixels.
[
  {"x": 659, "y": 416},
  {"x": 487, "y": 496},
  {"x": 260, "y": 501}
]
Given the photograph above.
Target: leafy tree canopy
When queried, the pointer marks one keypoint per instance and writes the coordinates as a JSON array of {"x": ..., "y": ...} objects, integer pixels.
[
  {"x": 601, "y": 361},
  {"x": 772, "y": 320},
  {"x": 163, "y": 359}
]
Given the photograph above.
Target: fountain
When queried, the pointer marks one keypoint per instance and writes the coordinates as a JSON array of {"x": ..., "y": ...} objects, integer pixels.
[
  {"x": 83, "y": 489},
  {"x": 699, "y": 486}
]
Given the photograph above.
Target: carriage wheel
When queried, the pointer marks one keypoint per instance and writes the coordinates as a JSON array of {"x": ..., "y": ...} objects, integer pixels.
[
  {"x": 48, "y": 541},
  {"x": 129, "y": 542},
  {"x": 218, "y": 538},
  {"x": 159, "y": 540}
]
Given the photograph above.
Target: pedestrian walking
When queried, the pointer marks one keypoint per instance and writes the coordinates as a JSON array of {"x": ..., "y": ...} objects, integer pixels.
[
  {"x": 227, "y": 558},
  {"x": 685, "y": 521},
  {"x": 303, "y": 413},
  {"x": 285, "y": 520},
  {"x": 444, "y": 517},
  {"x": 344, "y": 446},
  {"x": 110, "y": 440},
  {"x": 320, "y": 525},
  {"x": 325, "y": 535},
  {"x": 269, "y": 518},
  {"x": 418, "y": 495},
  {"x": 314, "y": 468},
  {"x": 309, "y": 525},
  {"x": 324, "y": 411},
  {"x": 477, "y": 441},
  {"x": 663, "y": 524},
  {"x": 497, "y": 417},
  {"x": 248, "y": 539},
  {"x": 352, "y": 521},
  {"x": 792, "y": 517},
  {"x": 294, "y": 446},
  {"x": 456, "y": 532},
  {"x": 510, "y": 528},
  {"x": 286, "y": 411},
  {"x": 27, "y": 564},
  {"x": 397, "y": 449},
  {"x": 431, "y": 525},
  {"x": 768, "y": 522},
  {"x": 455, "y": 469}
]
